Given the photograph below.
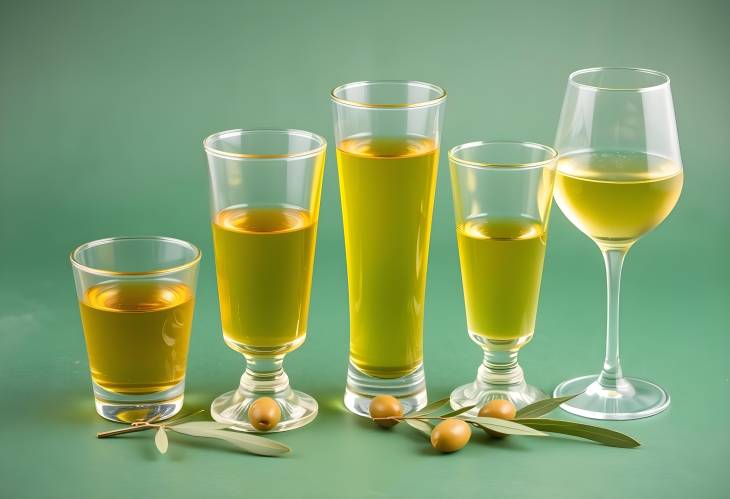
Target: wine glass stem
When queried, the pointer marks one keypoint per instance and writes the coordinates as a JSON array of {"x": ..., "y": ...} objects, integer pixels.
[{"x": 611, "y": 376}]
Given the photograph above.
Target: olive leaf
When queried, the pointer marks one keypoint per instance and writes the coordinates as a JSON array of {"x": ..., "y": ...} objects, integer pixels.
[
  {"x": 505, "y": 426},
  {"x": 200, "y": 425},
  {"x": 180, "y": 417},
  {"x": 596, "y": 433},
  {"x": 421, "y": 426},
  {"x": 458, "y": 411},
  {"x": 249, "y": 443},
  {"x": 542, "y": 407},
  {"x": 161, "y": 440},
  {"x": 430, "y": 408}
]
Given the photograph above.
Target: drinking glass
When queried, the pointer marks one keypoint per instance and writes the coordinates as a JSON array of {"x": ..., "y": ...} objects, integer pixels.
[
  {"x": 619, "y": 176},
  {"x": 388, "y": 135},
  {"x": 265, "y": 191},
  {"x": 502, "y": 197},
  {"x": 136, "y": 297}
]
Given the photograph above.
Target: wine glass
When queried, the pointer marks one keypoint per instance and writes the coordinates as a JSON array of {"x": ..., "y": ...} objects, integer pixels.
[{"x": 619, "y": 176}]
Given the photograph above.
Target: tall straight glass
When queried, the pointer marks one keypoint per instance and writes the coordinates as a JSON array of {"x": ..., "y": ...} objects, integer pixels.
[
  {"x": 619, "y": 176},
  {"x": 388, "y": 135},
  {"x": 502, "y": 197},
  {"x": 136, "y": 297},
  {"x": 265, "y": 191}
]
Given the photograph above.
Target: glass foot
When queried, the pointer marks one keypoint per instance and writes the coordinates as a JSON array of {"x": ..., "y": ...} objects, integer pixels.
[
  {"x": 410, "y": 390},
  {"x": 498, "y": 377},
  {"x": 479, "y": 393},
  {"x": 146, "y": 407},
  {"x": 632, "y": 398},
  {"x": 297, "y": 409}
]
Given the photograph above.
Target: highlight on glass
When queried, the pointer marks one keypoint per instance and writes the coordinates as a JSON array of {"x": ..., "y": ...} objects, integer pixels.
[
  {"x": 619, "y": 176},
  {"x": 136, "y": 296},
  {"x": 502, "y": 197},
  {"x": 388, "y": 135},
  {"x": 265, "y": 194}
]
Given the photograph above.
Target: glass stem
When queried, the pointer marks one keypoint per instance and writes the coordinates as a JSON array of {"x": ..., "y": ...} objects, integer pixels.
[
  {"x": 264, "y": 375},
  {"x": 500, "y": 367},
  {"x": 611, "y": 376}
]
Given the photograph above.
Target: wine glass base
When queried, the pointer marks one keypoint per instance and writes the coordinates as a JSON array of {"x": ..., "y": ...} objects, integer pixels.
[
  {"x": 479, "y": 393},
  {"x": 632, "y": 399},
  {"x": 297, "y": 409},
  {"x": 410, "y": 390}
]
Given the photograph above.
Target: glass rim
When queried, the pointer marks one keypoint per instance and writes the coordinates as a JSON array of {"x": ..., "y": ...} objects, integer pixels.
[
  {"x": 107, "y": 240},
  {"x": 487, "y": 165},
  {"x": 322, "y": 143},
  {"x": 597, "y": 88},
  {"x": 367, "y": 105}
]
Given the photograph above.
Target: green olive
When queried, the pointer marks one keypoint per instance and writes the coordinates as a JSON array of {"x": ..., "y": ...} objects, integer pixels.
[
  {"x": 502, "y": 409},
  {"x": 385, "y": 406},
  {"x": 264, "y": 414},
  {"x": 450, "y": 435}
]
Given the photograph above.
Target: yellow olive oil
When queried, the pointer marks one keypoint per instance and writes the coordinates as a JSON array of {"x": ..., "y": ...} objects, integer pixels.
[
  {"x": 615, "y": 198},
  {"x": 387, "y": 190},
  {"x": 501, "y": 269},
  {"x": 264, "y": 260},
  {"x": 137, "y": 334}
]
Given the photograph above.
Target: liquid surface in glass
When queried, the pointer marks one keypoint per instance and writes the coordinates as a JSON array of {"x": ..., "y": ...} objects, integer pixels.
[
  {"x": 501, "y": 269},
  {"x": 387, "y": 190},
  {"x": 615, "y": 198},
  {"x": 264, "y": 259},
  {"x": 137, "y": 334}
]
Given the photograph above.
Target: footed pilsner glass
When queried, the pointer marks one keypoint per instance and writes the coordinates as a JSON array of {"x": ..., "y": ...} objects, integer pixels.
[
  {"x": 619, "y": 176},
  {"x": 265, "y": 192},
  {"x": 136, "y": 297},
  {"x": 388, "y": 135},
  {"x": 502, "y": 197}
]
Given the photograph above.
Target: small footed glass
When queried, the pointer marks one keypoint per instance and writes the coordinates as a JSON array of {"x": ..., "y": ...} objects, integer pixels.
[
  {"x": 136, "y": 297},
  {"x": 502, "y": 199},
  {"x": 265, "y": 192}
]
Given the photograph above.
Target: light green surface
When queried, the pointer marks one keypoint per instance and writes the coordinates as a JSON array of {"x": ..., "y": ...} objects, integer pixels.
[{"x": 102, "y": 112}]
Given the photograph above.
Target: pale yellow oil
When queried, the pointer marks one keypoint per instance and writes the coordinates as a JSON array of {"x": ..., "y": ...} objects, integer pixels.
[
  {"x": 387, "y": 189},
  {"x": 264, "y": 260},
  {"x": 137, "y": 334},
  {"x": 615, "y": 198},
  {"x": 501, "y": 269}
]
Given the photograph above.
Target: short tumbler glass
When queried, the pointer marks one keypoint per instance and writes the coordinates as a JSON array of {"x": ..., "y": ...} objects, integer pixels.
[{"x": 136, "y": 297}]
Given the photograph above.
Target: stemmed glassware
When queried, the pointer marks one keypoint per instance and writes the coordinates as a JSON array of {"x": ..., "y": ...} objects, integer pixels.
[
  {"x": 265, "y": 193},
  {"x": 502, "y": 197},
  {"x": 619, "y": 176}
]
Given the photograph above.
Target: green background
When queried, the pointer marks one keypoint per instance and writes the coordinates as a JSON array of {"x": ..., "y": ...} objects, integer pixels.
[{"x": 103, "y": 107}]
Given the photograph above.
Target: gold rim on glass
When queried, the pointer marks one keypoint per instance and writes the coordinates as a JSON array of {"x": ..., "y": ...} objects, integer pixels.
[
  {"x": 322, "y": 143},
  {"x": 168, "y": 270},
  {"x": 487, "y": 164},
  {"x": 441, "y": 94},
  {"x": 663, "y": 76}
]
